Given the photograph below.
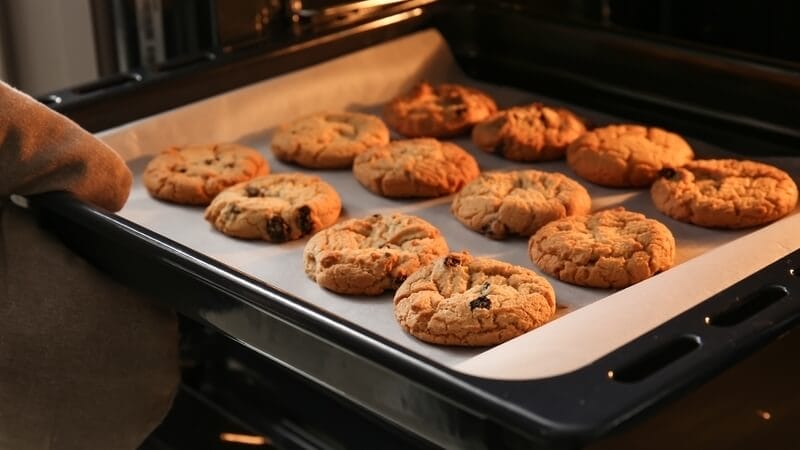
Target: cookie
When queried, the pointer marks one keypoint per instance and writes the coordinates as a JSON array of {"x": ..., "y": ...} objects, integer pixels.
[
  {"x": 415, "y": 168},
  {"x": 195, "y": 174},
  {"x": 370, "y": 255},
  {"x": 528, "y": 133},
  {"x": 275, "y": 208},
  {"x": 461, "y": 300},
  {"x": 725, "y": 193},
  {"x": 438, "y": 111},
  {"x": 626, "y": 155},
  {"x": 614, "y": 248},
  {"x": 328, "y": 140},
  {"x": 519, "y": 202}
]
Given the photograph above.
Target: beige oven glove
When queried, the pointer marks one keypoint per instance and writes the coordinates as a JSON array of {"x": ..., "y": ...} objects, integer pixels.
[{"x": 85, "y": 363}]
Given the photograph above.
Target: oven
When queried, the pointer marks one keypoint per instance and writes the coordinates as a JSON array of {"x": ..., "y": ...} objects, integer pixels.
[{"x": 710, "y": 362}]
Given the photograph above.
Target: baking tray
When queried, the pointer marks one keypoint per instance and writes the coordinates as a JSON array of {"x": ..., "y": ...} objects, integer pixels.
[
  {"x": 517, "y": 382},
  {"x": 360, "y": 81}
]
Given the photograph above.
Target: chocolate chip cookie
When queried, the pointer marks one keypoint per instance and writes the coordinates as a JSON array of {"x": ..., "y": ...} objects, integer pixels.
[
  {"x": 725, "y": 193},
  {"x": 415, "y": 168},
  {"x": 370, "y": 255},
  {"x": 461, "y": 300},
  {"x": 194, "y": 175},
  {"x": 519, "y": 202},
  {"x": 614, "y": 248},
  {"x": 328, "y": 140},
  {"x": 438, "y": 111},
  {"x": 626, "y": 155},
  {"x": 275, "y": 208},
  {"x": 528, "y": 133}
]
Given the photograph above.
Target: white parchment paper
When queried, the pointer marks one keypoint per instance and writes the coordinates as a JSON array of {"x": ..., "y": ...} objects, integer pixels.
[{"x": 590, "y": 322}]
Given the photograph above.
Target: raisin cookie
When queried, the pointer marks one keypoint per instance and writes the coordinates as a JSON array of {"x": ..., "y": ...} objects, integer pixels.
[
  {"x": 614, "y": 248},
  {"x": 438, "y": 111},
  {"x": 373, "y": 254},
  {"x": 275, "y": 208},
  {"x": 195, "y": 174},
  {"x": 519, "y": 202},
  {"x": 415, "y": 168},
  {"x": 328, "y": 140},
  {"x": 626, "y": 155},
  {"x": 725, "y": 193},
  {"x": 528, "y": 133},
  {"x": 461, "y": 300}
]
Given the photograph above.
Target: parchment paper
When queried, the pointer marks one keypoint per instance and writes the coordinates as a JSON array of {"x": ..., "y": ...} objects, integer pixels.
[{"x": 590, "y": 323}]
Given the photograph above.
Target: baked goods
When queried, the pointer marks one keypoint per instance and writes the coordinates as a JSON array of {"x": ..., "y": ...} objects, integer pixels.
[
  {"x": 725, "y": 193},
  {"x": 275, "y": 208},
  {"x": 518, "y": 202},
  {"x": 328, "y": 140},
  {"x": 438, "y": 111},
  {"x": 415, "y": 168},
  {"x": 528, "y": 133},
  {"x": 371, "y": 254},
  {"x": 461, "y": 300},
  {"x": 626, "y": 155},
  {"x": 194, "y": 175},
  {"x": 614, "y": 248}
]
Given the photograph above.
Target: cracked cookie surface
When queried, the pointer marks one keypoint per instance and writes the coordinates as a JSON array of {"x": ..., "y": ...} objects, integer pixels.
[
  {"x": 275, "y": 208},
  {"x": 462, "y": 300},
  {"x": 328, "y": 140},
  {"x": 415, "y": 168},
  {"x": 518, "y": 202},
  {"x": 614, "y": 248},
  {"x": 725, "y": 193},
  {"x": 369, "y": 255},
  {"x": 626, "y": 155},
  {"x": 438, "y": 111},
  {"x": 528, "y": 133},
  {"x": 193, "y": 175}
]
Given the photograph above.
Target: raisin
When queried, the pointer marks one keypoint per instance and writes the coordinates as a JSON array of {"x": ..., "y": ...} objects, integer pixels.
[
  {"x": 452, "y": 261},
  {"x": 252, "y": 191},
  {"x": 480, "y": 302},
  {"x": 208, "y": 162},
  {"x": 668, "y": 173},
  {"x": 229, "y": 166},
  {"x": 182, "y": 169},
  {"x": 277, "y": 229},
  {"x": 304, "y": 222}
]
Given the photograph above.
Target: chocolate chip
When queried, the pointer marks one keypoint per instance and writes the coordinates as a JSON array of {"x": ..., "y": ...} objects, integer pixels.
[
  {"x": 181, "y": 169},
  {"x": 229, "y": 166},
  {"x": 396, "y": 282},
  {"x": 500, "y": 148},
  {"x": 668, "y": 173},
  {"x": 480, "y": 302},
  {"x": 304, "y": 222},
  {"x": 208, "y": 162},
  {"x": 452, "y": 261},
  {"x": 277, "y": 229},
  {"x": 252, "y": 191}
]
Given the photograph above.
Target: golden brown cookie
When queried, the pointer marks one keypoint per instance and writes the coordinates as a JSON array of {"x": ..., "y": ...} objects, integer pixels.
[
  {"x": 528, "y": 133},
  {"x": 328, "y": 140},
  {"x": 195, "y": 174},
  {"x": 415, "y": 168},
  {"x": 614, "y": 248},
  {"x": 626, "y": 155},
  {"x": 518, "y": 202},
  {"x": 275, "y": 208},
  {"x": 373, "y": 254},
  {"x": 438, "y": 111},
  {"x": 461, "y": 300},
  {"x": 725, "y": 193}
]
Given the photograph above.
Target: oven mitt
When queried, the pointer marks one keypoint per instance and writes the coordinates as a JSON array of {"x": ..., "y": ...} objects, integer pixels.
[{"x": 85, "y": 363}]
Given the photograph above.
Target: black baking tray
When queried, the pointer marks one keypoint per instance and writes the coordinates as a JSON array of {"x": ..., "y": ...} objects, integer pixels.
[{"x": 622, "y": 74}]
